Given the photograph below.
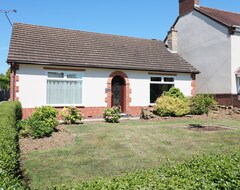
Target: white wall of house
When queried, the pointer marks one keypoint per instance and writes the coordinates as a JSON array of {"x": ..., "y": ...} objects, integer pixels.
[
  {"x": 235, "y": 50},
  {"x": 33, "y": 86},
  {"x": 206, "y": 45}
]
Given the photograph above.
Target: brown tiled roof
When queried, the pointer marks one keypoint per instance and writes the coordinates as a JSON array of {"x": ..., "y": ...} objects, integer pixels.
[
  {"x": 227, "y": 18},
  {"x": 32, "y": 44}
]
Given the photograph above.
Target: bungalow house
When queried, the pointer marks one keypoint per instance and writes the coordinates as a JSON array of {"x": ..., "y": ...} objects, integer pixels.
[
  {"x": 209, "y": 39},
  {"x": 61, "y": 67}
]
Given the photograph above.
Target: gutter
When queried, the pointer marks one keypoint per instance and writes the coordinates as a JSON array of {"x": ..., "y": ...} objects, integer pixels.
[{"x": 236, "y": 28}]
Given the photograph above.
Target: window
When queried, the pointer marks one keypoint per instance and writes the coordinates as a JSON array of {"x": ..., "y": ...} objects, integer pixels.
[
  {"x": 158, "y": 85},
  {"x": 64, "y": 88}
]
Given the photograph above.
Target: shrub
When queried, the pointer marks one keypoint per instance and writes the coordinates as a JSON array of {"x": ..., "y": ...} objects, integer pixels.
[
  {"x": 112, "y": 115},
  {"x": 24, "y": 128},
  {"x": 9, "y": 151},
  {"x": 171, "y": 106},
  {"x": 201, "y": 103},
  {"x": 200, "y": 172},
  {"x": 71, "y": 115},
  {"x": 43, "y": 121},
  {"x": 175, "y": 92}
]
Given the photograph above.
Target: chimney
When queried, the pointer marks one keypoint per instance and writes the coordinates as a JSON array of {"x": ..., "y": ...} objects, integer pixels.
[
  {"x": 186, "y": 6},
  {"x": 172, "y": 40}
]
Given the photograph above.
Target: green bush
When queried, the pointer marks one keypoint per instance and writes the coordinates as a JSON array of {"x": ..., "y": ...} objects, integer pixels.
[
  {"x": 9, "y": 148},
  {"x": 112, "y": 115},
  {"x": 171, "y": 106},
  {"x": 24, "y": 128},
  {"x": 201, "y": 103},
  {"x": 175, "y": 92},
  {"x": 200, "y": 172},
  {"x": 71, "y": 115},
  {"x": 43, "y": 122}
]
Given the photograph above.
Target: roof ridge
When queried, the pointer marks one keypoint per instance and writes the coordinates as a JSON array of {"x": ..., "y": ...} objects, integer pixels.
[
  {"x": 98, "y": 33},
  {"x": 217, "y": 10}
]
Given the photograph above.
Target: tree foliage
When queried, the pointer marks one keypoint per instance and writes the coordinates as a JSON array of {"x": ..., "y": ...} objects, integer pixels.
[{"x": 5, "y": 80}]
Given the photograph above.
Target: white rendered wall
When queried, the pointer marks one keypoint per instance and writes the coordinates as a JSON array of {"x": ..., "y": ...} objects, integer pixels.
[
  {"x": 206, "y": 45},
  {"x": 33, "y": 84},
  {"x": 184, "y": 83},
  {"x": 235, "y": 60}
]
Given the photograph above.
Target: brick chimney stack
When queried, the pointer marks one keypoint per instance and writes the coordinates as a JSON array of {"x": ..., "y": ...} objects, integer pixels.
[
  {"x": 172, "y": 40},
  {"x": 186, "y": 6}
]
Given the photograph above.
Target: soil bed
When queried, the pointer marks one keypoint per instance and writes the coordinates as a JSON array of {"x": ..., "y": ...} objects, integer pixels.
[
  {"x": 58, "y": 139},
  {"x": 198, "y": 128}
]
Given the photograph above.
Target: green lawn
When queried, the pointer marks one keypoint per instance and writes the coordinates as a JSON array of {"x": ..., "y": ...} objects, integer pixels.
[{"x": 103, "y": 150}]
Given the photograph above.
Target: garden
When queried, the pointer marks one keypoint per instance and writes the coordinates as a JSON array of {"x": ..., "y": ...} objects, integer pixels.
[{"x": 180, "y": 143}]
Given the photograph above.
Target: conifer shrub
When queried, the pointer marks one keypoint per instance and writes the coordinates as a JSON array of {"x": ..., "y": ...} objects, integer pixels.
[{"x": 171, "y": 106}]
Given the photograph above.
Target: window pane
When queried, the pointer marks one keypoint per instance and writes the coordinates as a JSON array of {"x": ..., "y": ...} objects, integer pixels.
[
  {"x": 64, "y": 92},
  {"x": 159, "y": 79},
  {"x": 55, "y": 75},
  {"x": 168, "y": 79},
  {"x": 74, "y": 76},
  {"x": 156, "y": 90}
]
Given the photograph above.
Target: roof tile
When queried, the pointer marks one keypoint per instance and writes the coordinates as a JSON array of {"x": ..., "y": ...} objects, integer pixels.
[{"x": 33, "y": 44}]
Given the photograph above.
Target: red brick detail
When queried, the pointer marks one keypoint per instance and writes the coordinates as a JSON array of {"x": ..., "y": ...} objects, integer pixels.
[
  {"x": 17, "y": 78},
  {"x": 16, "y": 89},
  {"x": 87, "y": 112},
  {"x": 194, "y": 85},
  {"x": 127, "y": 91},
  {"x": 13, "y": 82},
  {"x": 228, "y": 99},
  {"x": 27, "y": 112},
  {"x": 186, "y": 6}
]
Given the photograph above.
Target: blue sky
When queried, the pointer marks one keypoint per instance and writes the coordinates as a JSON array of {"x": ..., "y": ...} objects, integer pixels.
[{"x": 137, "y": 18}]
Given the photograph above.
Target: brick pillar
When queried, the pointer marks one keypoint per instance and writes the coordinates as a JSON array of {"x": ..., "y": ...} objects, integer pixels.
[
  {"x": 13, "y": 82},
  {"x": 194, "y": 84}
]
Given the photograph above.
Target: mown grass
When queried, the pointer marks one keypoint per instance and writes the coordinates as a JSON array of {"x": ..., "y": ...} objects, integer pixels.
[{"x": 104, "y": 150}]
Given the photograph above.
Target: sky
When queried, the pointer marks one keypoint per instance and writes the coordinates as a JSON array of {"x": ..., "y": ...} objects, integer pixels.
[{"x": 149, "y": 19}]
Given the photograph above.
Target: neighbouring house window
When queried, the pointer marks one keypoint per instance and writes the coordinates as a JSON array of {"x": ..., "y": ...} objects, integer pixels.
[
  {"x": 158, "y": 85},
  {"x": 238, "y": 86},
  {"x": 64, "y": 88}
]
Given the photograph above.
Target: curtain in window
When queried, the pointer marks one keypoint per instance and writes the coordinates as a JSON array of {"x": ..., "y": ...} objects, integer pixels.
[{"x": 64, "y": 92}]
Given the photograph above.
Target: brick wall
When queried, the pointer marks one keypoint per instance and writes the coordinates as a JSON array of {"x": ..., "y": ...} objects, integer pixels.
[
  {"x": 87, "y": 112},
  {"x": 194, "y": 85},
  {"x": 228, "y": 99}
]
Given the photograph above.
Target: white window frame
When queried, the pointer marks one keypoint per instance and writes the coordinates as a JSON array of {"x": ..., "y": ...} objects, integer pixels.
[
  {"x": 159, "y": 82},
  {"x": 238, "y": 85},
  {"x": 65, "y": 73}
]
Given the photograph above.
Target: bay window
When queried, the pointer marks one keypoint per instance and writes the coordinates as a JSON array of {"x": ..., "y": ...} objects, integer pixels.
[{"x": 64, "y": 88}]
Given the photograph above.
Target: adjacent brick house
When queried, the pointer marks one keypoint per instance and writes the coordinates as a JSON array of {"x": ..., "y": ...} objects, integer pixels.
[
  {"x": 60, "y": 67},
  {"x": 209, "y": 39}
]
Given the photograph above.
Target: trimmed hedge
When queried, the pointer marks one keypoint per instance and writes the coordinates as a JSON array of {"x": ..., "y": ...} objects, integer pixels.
[
  {"x": 10, "y": 113},
  {"x": 201, "y": 172}
]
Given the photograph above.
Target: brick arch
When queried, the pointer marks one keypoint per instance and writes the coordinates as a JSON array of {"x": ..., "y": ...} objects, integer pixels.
[{"x": 127, "y": 91}]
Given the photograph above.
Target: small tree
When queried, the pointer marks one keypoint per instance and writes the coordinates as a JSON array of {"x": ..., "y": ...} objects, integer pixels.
[{"x": 5, "y": 80}]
